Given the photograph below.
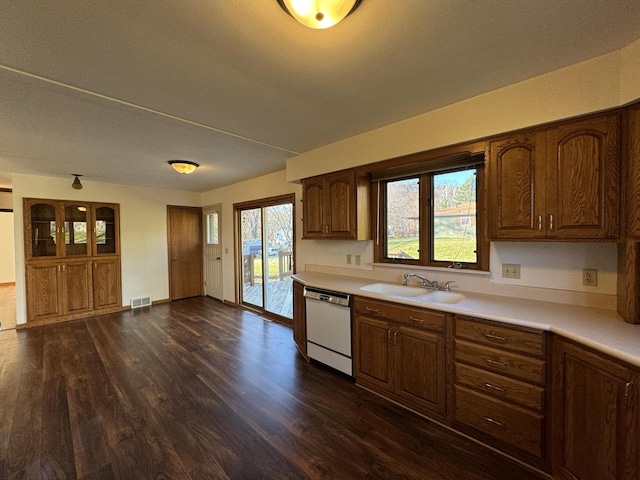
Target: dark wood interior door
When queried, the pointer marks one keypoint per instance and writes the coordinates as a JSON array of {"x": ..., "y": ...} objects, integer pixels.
[{"x": 185, "y": 251}]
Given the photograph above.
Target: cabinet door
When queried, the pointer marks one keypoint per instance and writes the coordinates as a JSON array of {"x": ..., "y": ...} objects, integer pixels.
[
  {"x": 299, "y": 319},
  {"x": 106, "y": 229},
  {"x": 583, "y": 174},
  {"x": 341, "y": 218},
  {"x": 516, "y": 187},
  {"x": 107, "y": 291},
  {"x": 76, "y": 229},
  {"x": 76, "y": 287},
  {"x": 633, "y": 195},
  {"x": 419, "y": 368},
  {"x": 313, "y": 223},
  {"x": 372, "y": 360},
  {"x": 42, "y": 225},
  {"x": 44, "y": 297},
  {"x": 598, "y": 417}
]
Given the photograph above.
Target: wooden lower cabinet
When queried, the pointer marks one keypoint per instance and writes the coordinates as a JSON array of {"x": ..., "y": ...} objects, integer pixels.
[
  {"x": 299, "y": 319},
  {"x": 396, "y": 354},
  {"x": 500, "y": 387},
  {"x": 59, "y": 288},
  {"x": 70, "y": 289},
  {"x": 106, "y": 284},
  {"x": 595, "y": 415}
]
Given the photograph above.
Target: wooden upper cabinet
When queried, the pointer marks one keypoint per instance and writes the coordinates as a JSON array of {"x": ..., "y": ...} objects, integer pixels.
[
  {"x": 517, "y": 169},
  {"x": 336, "y": 206},
  {"x": 633, "y": 174},
  {"x": 561, "y": 183},
  {"x": 583, "y": 178},
  {"x": 106, "y": 228}
]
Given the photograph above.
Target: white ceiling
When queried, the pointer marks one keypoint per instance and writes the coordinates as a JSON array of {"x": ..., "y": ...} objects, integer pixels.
[{"x": 114, "y": 89}]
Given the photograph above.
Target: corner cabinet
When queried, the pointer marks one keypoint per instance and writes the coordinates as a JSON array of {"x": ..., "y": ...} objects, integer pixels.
[
  {"x": 336, "y": 206},
  {"x": 560, "y": 183},
  {"x": 399, "y": 352},
  {"x": 595, "y": 408},
  {"x": 72, "y": 258}
]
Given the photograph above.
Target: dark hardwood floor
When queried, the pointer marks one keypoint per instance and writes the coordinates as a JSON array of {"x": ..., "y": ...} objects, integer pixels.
[{"x": 196, "y": 389}]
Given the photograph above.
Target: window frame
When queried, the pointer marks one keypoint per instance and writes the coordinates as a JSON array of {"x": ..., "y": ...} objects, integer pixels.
[{"x": 379, "y": 192}]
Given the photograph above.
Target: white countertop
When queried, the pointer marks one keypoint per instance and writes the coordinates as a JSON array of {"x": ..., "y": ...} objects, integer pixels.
[{"x": 603, "y": 330}]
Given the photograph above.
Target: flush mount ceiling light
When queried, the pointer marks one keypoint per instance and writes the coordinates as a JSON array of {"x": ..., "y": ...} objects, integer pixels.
[
  {"x": 76, "y": 185},
  {"x": 319, "y": 13},
  {"x": 183, "y": 166}
]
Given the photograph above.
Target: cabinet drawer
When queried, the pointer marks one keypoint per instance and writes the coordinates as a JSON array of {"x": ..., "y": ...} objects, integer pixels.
[
  {"x": 500, "y": 420},
  {"x": 511, "y": 364},
  {"x": 501, "y": 387},
  {"x": 521, "y": 340},
  {"x": 416, "y": 317}
]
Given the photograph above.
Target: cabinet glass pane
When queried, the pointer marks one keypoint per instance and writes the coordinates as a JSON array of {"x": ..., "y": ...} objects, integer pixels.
[
  {"x": 75, "y": 230},
  {"x": 105, "y": 230},
  {"x": 43, "y": 230}
]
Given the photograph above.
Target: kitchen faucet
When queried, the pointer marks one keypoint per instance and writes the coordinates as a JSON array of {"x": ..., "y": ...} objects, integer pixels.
[{"x": 426, "y": 283}]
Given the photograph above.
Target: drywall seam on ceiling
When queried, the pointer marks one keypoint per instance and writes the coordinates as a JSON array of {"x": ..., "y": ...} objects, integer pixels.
[{"x": 146, "y": 109}]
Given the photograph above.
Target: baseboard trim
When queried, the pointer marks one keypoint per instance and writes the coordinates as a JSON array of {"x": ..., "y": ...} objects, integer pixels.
[
  {"x": 8, "y": 284},
  {"x": 160, "y": 302}
]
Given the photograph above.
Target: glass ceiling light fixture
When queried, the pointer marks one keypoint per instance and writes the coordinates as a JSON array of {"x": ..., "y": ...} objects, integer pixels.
[
  {"x": 76, "y": 185},
  {"x": 319, "y": 13},
  {"x": 183, "y": 166}
]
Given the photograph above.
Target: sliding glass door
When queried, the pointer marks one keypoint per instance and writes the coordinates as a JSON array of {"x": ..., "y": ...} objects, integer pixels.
[{"x": 266, "y": 255}]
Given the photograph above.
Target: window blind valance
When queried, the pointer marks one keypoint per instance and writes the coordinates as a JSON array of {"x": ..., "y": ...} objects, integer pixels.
[{"x": 451, "y": 162}]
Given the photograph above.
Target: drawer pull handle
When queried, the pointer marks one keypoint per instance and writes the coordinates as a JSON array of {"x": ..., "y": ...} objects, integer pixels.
[
  {"x": 372, "y": 310},
  {"x": 415, "y": 319},
  {"x": 492, "y": 336},
  {"x": 494, "y": 362},
  {"x": 494, "y": 387},
  {"x": 494, "y": 422}
]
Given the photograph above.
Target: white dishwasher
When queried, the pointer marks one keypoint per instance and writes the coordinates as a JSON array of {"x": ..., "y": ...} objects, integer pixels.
[{"x": 329, "y": 328}]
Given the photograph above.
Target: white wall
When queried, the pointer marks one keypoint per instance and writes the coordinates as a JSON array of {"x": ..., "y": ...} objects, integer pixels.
[
  {"x": 143, "y": 230},
  {"x": 604, "y": 82},
  {"x": 266, "y": 186},
  {"x": 7, "y": 249}
]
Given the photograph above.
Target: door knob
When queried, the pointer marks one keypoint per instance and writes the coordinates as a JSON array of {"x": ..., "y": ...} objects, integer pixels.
[{"x": 218, "y": 258}]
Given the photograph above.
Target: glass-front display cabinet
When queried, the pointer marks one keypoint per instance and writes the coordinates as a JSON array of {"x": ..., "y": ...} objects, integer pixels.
[{"x": 106, "y": 233}]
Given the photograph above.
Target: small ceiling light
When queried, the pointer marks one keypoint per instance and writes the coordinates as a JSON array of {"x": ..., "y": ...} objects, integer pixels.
[
  {"x": 319, "y": 13},
  {"x": 183, "y": 166},
  {"x": 76, "y": 185}
]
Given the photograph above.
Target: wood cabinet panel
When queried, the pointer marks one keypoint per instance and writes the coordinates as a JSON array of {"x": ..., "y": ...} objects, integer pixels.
[
  {"x": 373, "y": 353},
  {"x": 405, "y": 363},
  {"x": 419, "y": 367},
  {"x": 106, "y": 283},
  {"x": 633, "y": 176},
  {"x": 419, "y": 317},
  {"x": 561, "y": 183},
  {"x": 506, "y": 363},
  {"x": 299, "y": 319},
  {"x": 583, "y": 177},
  {"x": 43, "y": 291},
  {"x": 517, "y": 427},
  {"x": 336, "y": 206},
  {"x": 521, "y": 340},
  {"x": 76, "y": 287},
  {"x": 596, "y": 416},
  {"x": 516, "y": 186},
  {"x": 516, "y": 391}
]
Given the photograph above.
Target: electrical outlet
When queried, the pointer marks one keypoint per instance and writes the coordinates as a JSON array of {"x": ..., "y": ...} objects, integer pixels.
[
  {"x": 510, "y": 270},
  {"x": 357, "y": 259},
  {"x": 348, "y": 259},
  {"x": 590, "y": 277}
]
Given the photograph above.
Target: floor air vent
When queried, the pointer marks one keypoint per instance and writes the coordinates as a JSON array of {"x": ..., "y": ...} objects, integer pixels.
[{"x": 140, "y": 302}]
